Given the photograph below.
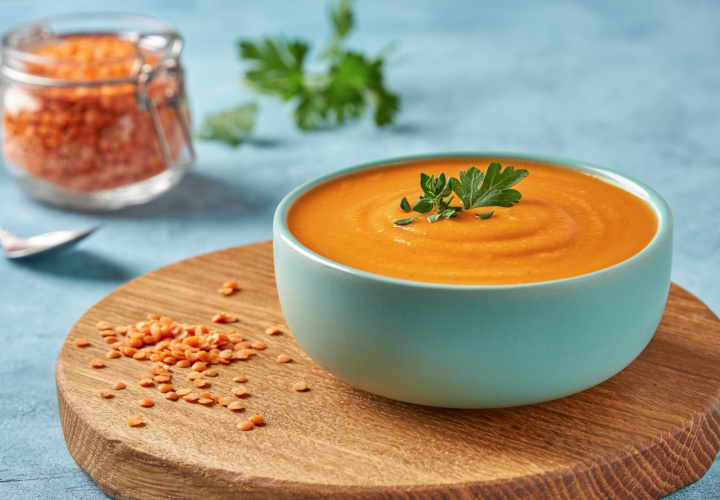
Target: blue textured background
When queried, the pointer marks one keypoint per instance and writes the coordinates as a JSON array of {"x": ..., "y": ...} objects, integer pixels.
[{"x": 634, "y": 86}]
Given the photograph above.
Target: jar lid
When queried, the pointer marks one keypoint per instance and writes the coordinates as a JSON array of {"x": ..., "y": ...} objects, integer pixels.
[{"x": 88, "y": 49}]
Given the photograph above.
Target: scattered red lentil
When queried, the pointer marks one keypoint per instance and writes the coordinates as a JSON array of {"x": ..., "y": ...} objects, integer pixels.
[
  {"x": 183, "y": 363},
  {"x": 183, "y": 392},
  {"x": 206, "y": 401},
  {"x": 112, "y": 354},
  {"x": 240, "y": 379},
  {"x": 119, "y": 385},
  {"x": 257, "y": 420},
  {"x": 236, "y": 405},
  {"x": 192, "y": 397},
  {"x": 226, "y": 291},
  {"x": 165, "y": 388},
  {"x": 144, "y": 375},
  {"x": 82, "y": 342},
  {"x": 107, "y": 333},
  {"x": 301, "y": 386},
  {"x": 105, "y": 393},
  {"x": 146, "y": 403},
  {"x": 273, "y": 331},
  {"x": 230, "y": 284},
  {"x": 102, "y": 325},
  {"x": 284, "y": 358},
  {"x": 239, "y": 391},
  {"x": 146, "y": 382},
  {"x": 199, "y": 366},
  {"x": 212, "y": 372},
  {"x": 134, "y": 421},
  {"x": 226, "y": 401},
  {"x": 258, "y": 345},
  {"x": 199, "y": 382},
  {"x": 172, "y": 396},
  {"x": 245, "y": 426},
  {"x": 97, "y": 363},
  {"x": 224, "y": 318}
]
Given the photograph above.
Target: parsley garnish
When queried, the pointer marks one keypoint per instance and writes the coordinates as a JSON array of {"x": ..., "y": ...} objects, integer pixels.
[
  {"x": 405, "y": 222},
  {"x": 231, "y": 127},
  {"x": 473, "y": 188},
  {"x": 351, "y": 84},
  {"x": 494, "y": 191}
]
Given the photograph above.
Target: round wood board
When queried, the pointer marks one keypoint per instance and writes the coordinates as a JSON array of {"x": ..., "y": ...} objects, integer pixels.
[{"x": 646, "y": 432}]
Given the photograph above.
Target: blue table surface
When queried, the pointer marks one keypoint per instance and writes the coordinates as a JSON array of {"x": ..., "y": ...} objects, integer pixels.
[{"x": 634, "y": 86}]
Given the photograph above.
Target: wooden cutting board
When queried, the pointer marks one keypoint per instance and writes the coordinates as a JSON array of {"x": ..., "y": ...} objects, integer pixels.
[{"x": 646, "y": 432}]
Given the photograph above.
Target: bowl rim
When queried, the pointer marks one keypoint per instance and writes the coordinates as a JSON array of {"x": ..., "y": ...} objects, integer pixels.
[{"x": 656, "y": 202}]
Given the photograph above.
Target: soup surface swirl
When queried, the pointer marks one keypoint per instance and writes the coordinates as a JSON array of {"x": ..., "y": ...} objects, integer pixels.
[{"x": 568, "y": 223}]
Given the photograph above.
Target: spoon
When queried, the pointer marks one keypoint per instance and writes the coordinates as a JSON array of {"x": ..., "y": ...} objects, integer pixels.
[{"x": 15, "y": 247}]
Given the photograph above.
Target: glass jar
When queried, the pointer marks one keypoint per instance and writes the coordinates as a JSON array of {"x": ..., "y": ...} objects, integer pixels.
[{"x": 94, "y": 112}]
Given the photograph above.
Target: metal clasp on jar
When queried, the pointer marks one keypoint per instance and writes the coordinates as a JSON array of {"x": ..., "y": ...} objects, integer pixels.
[{"x": 174, "y": 98}]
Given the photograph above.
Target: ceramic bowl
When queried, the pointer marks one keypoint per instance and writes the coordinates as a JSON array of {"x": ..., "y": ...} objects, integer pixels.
[{"x": 477, "y": 346}]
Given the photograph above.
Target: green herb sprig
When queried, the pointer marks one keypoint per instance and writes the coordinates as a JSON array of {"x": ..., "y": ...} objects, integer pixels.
[
  {"x": 473, "y": 188},
  {"x": 351, "y": 84}
]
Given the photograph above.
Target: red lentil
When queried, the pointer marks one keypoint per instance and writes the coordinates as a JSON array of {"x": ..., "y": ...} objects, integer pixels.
[
  {"x": 284, "y": 358},
  {"x": 239, "y": 391},
  {"x": 82, "y": 342},
  {"x": 273, "y": 331},
  {"x": 183, "y": 392},
  {"x": 165, "y": 388},
  {"x": 224, "y": 318},
  {"x": 240, "y": 379},
  {"x": 212, "y": 372},
  {"x": 119, "y": 385},
  {"x": 258, "y": 346},
  {"x": 134, "y": 421},
  {"x": 199, "y": 382},
  {"x": 245, "y": 426},
  {"x": 105, "y": 393},
  {"x": 97, "y": 363},
  {"x": 102, "y": 325},
  {"x": 146, "y": 382},
  {"x": 146, "y": 403},
  {"x": 112, "y": 354},
  {"x": 226, "y": 401},
  {"x": 301, "y": 386},
  {"x": 191, "y": 397},
  {"x": 257, "y": 420},
  {"x": 236, "y": 405},
  {"x": 206, "y": 401},
  {"x": 172, "y": 396}
]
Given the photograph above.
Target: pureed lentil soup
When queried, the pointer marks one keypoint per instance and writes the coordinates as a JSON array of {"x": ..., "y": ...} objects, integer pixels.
[{"x": 567, "y": 223}]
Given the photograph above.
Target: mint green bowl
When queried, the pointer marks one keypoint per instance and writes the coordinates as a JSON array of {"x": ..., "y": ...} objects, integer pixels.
[{"x": 473, "y": 346}]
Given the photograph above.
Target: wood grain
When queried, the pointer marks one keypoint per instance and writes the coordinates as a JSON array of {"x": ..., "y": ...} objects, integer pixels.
[{"x": 646, "y": 432}]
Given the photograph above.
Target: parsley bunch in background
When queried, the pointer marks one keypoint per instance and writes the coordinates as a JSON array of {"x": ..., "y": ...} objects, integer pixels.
[{"x": 352, "y": 84}]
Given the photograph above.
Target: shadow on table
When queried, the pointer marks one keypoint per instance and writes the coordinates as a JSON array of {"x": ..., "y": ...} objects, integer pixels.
[
  {"x": 197, "y": 194},
  {"x": 78, "y": 264}
]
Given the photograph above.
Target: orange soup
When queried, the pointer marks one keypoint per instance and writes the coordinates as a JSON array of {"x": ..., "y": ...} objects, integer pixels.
[{"x": 568, "y": 223}]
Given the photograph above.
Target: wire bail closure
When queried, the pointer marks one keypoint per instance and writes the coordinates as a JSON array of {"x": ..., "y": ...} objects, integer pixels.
[{"x": 142, "y": 75}]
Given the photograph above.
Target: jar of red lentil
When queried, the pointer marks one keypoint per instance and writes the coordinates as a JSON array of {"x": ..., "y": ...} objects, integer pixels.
[{"x": 94, "y": 112}]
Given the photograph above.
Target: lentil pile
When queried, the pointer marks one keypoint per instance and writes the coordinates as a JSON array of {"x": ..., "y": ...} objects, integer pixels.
[
  {"x": 168, "y": 344},
  {"x": 88, "y": 138}
]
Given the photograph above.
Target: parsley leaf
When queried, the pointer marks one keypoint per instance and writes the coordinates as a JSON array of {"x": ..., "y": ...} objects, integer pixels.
[
  {"x": 494, "y": 191},
  {"x": 404, "y": 222},
  {"x": 277, "y": 66},
  {"x": 351, "y": 84},
  {"x": 474, "y": 189},
  {"x": 486, "y": 215},
  {"x": 231, "y": 127}
]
